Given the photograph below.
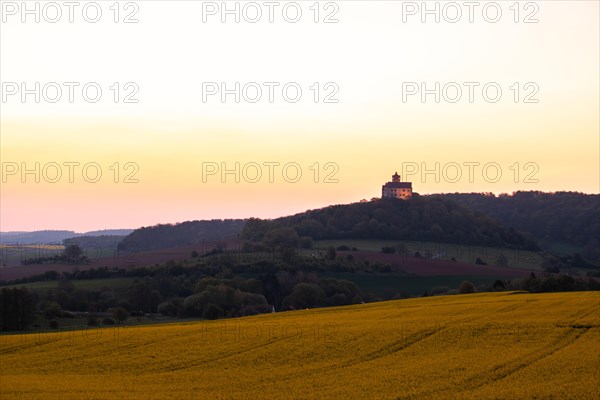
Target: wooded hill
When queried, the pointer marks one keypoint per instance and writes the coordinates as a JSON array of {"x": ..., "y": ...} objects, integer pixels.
[
  {"x": 567, "y": 217},
  {"x": 521, "y": 220},
  {"x": 189, "y": 232},
  {"x": 423, "y": 218}
]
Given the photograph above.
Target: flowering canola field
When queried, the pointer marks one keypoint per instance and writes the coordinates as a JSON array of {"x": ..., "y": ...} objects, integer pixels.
[{"x": 480, "y": 346}]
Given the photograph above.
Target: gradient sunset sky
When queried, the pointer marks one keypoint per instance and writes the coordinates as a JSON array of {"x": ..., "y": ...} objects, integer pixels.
[{"x": 369, "y": 134}]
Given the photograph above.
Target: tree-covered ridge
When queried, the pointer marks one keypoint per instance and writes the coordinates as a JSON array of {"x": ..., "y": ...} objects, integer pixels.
[
  {"x": 569, "y": 217},
  {"x": 95, "y": 242},
  {"x": 431, "y": 218},
  {"x": 189, "y": 232}
]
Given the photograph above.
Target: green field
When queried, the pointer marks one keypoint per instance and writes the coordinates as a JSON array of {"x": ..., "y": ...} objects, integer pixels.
[
  {"x": 13, "y": 254},
  {"x": 523, "y": 259},
  {"x": 86, "y": 284},
  {"x": 379, "y": 284}
]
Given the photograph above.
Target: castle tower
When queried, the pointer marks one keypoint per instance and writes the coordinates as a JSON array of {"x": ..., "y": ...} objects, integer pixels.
[{"x": 397, "y": 189}]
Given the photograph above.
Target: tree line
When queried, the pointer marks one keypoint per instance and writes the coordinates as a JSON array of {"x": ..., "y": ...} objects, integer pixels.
[
  {"x": 568, "y": 217},
  {"x": 189, "y": 232},
  {"x": 420, "y": 219},
  {"x": 218, "y": 286},
  {"x": 206, "y": 290}
]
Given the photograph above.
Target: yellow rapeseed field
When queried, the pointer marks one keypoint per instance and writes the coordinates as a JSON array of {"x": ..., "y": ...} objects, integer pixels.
[{"x": 480, "y": 346}]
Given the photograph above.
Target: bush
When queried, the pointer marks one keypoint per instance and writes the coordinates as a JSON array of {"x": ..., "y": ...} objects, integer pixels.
[
  {"x": 306, "y": 242},
  {"x": 466, "y": 287},
  {"x": 438, "y": 290},
  {"x": 136, "y": 313},
  {"x": 54, "y": 324},
  {"x": 343, "y": 248},
  {"x": 108, "y": 321},
  {"x": 168, "y": 308},
  {"x": 382, "y": 268},
  {"x": 50, "y": 309},
  {"x": 388, "y": 250},
  {"x": 119, "y": 313},
  {"x": 499, "y": 285},
  {"x": 286, "y": 237},
  {"x": 305, "y": 295},
  {"x": 330, "y": 255},
  {"x": 92, "y": 320},
  {"x": 256, "y": 309},
  {"x": 479, "y": 261},
  {"x": 212, "y": 311},
  {"x": 194, "y": 304}
]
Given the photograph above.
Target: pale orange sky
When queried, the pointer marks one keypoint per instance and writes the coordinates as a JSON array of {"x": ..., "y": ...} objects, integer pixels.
[{"x": 367, "y": 136}]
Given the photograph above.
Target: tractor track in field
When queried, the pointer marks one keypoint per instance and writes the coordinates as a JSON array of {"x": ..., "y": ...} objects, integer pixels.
[
  {"x": 508, "y": 368},
  {"x": 389, "y": 349},
  {"x": 220, "y": 357}
]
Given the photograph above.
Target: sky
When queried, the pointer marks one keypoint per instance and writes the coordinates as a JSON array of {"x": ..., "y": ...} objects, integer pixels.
[{"x": 129, "y": 114}]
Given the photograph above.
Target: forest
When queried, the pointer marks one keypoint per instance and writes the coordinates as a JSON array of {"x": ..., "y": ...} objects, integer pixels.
[
  {"x": 567, "y": 217},
  {"x": 422, "y": 218}
]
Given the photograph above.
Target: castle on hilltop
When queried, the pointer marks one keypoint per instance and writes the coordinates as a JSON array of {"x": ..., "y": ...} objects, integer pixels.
[{"x": 397, "y": 189}]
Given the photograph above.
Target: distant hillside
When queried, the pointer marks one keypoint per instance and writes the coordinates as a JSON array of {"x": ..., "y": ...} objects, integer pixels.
[
  {"x": 420, "y": 218},
  {"x": 36, "y": 237},
  {"x": 55, "y": 236},
  {"x": 95, "y": 242},
  {"x": 185, "y": 233},
  {"x": 108, "y": 232},
  {"x": 568, "y": 217}
]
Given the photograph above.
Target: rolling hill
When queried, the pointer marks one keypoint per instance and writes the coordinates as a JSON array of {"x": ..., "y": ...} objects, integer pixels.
[
  {"x": 54, "y": 236},
  {"x": 565, "y": 217},
  {"x": 165, "y": 236},
  {"x": 496, "y": 345},
  {"x": 421, "y": 218}
]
